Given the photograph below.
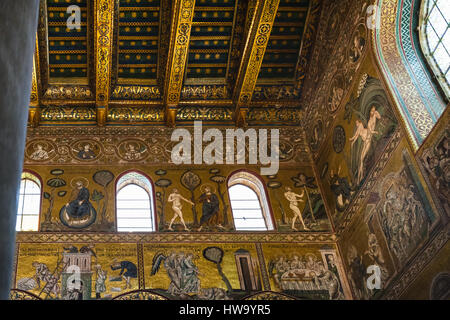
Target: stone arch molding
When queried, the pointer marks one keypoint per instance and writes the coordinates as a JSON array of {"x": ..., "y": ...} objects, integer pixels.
[{"x": 397, "y": 49}]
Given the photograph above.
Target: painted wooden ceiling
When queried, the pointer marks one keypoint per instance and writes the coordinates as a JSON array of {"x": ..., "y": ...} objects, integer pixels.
[{"x": 158, "y": 61}]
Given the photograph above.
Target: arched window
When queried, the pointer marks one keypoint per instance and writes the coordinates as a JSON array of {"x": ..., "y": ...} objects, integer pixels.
[
  {"x": 434, "y": 37},
  {"x": 29, "y": 203},
  {"x": 134, "y": 203},
  {"x": 249, "y": 203}
]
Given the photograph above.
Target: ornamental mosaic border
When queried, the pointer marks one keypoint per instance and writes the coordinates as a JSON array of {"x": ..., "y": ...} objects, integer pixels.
[
  {"x": 405, "y": 93},
  {"x": 262, "y": 266},
  {"x": 62, "y": 142},
  {"x": 66, "y": 237},
  {"x": 140, "y": 256},
  {"x": 413, "y": 63},
  {"x": 132, "y": 131},
  {"x": 266, "y": 114}
]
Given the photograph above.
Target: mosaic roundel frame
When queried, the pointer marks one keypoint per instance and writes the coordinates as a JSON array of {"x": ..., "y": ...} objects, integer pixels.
[{"x": 338, "y": 139}]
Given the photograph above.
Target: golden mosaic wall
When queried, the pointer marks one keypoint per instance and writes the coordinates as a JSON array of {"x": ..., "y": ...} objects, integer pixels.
[
  {"x": 392, "y": 224},
  {"x": 293, "y": 261},
  {"x": 95, "y": 159},
  {"x": 388, "y": 204},
  {"x": 59, "y": 187}
]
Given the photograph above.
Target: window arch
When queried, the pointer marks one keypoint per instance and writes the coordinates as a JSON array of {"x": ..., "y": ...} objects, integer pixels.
[
  {"x": 399, "y": 54},
  {"x": 29, "y": 205},
  {"x": 249, "y": 203},
  {"x": 134, "y": 203},
  {"x": 434, "y": 38}
]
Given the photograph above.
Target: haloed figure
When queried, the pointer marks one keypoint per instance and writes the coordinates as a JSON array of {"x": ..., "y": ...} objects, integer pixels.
[
  {"x": 86, "y": 152},
  {"x": 132, "y": 153},
  {"x": 293, "y": 199},
  {"x": 39, "y": 153},
  {"x": 210, "y": 207},
  {"x": 79, "y": 206},
  {"x": 175, "y": 197}
]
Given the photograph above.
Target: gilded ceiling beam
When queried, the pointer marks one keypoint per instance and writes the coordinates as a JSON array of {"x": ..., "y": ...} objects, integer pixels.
[
  {"x": 104, "y": 10},
  {"x": 252, "y": 57},
  {"x": 183, "y": 13}
]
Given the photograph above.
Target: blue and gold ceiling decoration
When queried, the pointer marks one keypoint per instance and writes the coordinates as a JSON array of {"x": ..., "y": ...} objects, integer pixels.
[
  {"x": 210, "y": 42},
  {"x": 142, "y": 46},
  {"x": 67, "y": 47},
  {"x": 285, "y": 40},
  {"x": 138, "y": 31}
]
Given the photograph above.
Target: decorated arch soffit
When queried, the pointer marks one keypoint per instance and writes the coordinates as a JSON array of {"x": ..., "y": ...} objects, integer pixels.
[{"x": 397, "y": 49}]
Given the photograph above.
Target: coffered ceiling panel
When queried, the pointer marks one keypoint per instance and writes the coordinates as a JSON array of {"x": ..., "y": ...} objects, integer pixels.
[
  {"x": 285, "y": 40},
  {"x": 138, "y": 41},
  {"x": 67, "y": 47}
]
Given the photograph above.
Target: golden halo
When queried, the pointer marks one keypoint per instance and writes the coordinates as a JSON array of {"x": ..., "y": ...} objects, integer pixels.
[
  {"x": 310, "y": 254},
  {"x": 42, "y": 143},
  {"x": 387, "y": 183},
  {"x": 128, "y": 143},
  {"x": 202, "y": 188},
  {"x": 83, "y": 180}
]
